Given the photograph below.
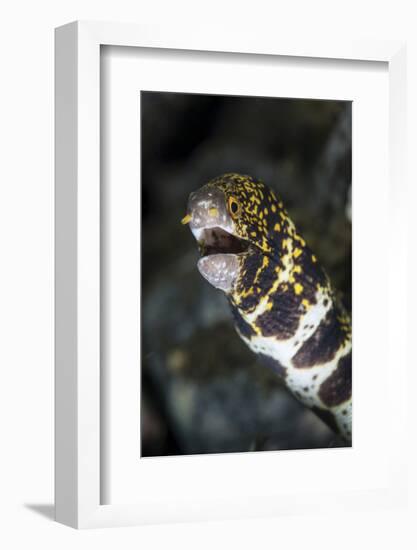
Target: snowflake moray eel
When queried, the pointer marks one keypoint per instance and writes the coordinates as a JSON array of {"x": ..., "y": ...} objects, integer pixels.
[{"x": 282, "y": 301}]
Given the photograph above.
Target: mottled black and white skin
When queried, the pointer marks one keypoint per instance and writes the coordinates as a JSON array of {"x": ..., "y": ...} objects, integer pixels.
[{"x": 282, "y": 301}]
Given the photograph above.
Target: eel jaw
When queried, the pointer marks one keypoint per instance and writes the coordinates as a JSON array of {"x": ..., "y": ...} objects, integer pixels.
[
  {"x": 220, "y": 270},
  {"x": 214, "y": 230},
  {"x": 221, "y": 258}
]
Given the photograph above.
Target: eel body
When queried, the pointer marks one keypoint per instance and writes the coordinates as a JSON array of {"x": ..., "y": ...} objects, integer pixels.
[{"x": 282, "y": 301}]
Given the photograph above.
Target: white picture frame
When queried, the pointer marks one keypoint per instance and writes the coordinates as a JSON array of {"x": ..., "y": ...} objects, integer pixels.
[{"x": 78, "y": 405}]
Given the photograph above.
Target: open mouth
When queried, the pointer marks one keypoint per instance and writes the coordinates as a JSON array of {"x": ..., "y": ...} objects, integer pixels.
[{"x": 215, "y": 240}]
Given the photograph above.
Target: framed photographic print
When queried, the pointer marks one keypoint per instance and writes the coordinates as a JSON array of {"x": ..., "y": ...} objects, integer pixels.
[{"x": 220, "y": 347}]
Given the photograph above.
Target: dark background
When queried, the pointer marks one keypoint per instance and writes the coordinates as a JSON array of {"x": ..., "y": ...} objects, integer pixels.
[{"x": 203, "y": 390}]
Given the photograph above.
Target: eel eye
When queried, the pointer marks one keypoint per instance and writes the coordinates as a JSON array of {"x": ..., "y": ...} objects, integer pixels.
[{"x": 234, "y": 207}]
